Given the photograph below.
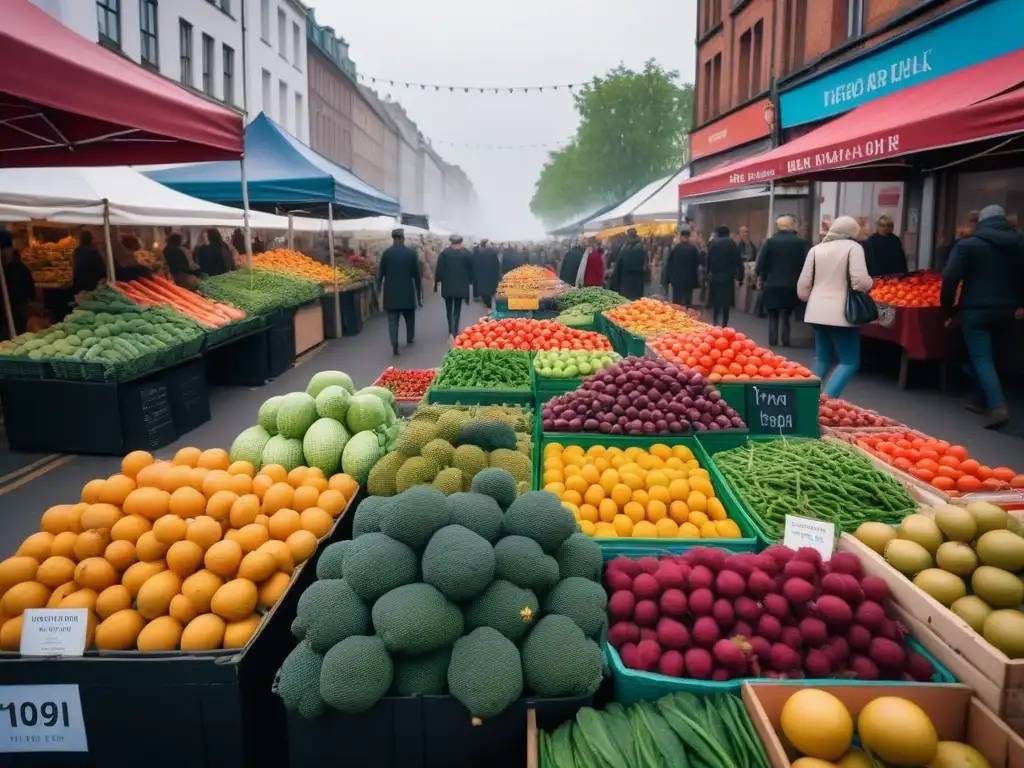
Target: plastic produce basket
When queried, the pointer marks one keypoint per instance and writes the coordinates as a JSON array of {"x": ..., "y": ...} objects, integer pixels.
[
  {"x": 480, "y": 396},
  {"x": 23, "y": 368},
  {"x": 545, "y": 388},
  {"x": 398, "y": 399},
  {"x": 623, "y": 342},
  {"x": 632, "y": 685}
]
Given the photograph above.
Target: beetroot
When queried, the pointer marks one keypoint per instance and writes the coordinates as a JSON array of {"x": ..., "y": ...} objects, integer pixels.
[
  {"x": 809, "y": 555},
  {"x": 720, "y": 675},
  {"x": 741, "y": 629},
  {"x": 747, "y": 609},
  {"x": 648, "y": 653},
  {"x": 722, "y": 613},
  {"x": 761, "y": 648},
  {"x": 784, "y": 658},
  {"x": 919, "y": 668},
  {"x": 887, "y": 654},
  {"x": 813, "y": 632},
  {"x": 649, "y": 564},
  {"x": 859, "y": 637},
  {"x": 863, "y": 668},
  {"x": 845, "y": 562},
  {"x": 699, "y": 663},
  {"x": 673, "y": 603},
  {"x": 714, "y": 559},
  {"x": 729, "y": 655},
  {"x": 627, "y": 652},
  {"x": 700, "y": 577},
  {"x": 669, "y": 576},
  {"x": 623, "y": 632},
  {"x": 621, "y": 605},
  {"x": 730, "y": 584},
  {"x": 766, "y": 563},
  {"x": 646, "y": 613},
  {"x": 796, "y": 590},
  {"x": 627, "y": 565},
  {"x": 647, "y": 633},
  {"x": 852, "y": 592},
  {"x": 838, "y": 651},
  {"x": 769, "y": 627},
  {"x": 616, "y": 580},
  {"x": 800, "y": 569},
  {"x": 705, "y": 632},
  {"x": 761, "y": 584},
  {"x": 741, "y": 563},
  {"x": 701, "y": 602},
  {"x": 791, "y": 637},
  {"x": 835, "y": 611},
  {"x": 833, "y": 584},
  {"x": 891, "y": 630},
  {"x": 870, "y": 614},
  {"x": 874, "y": 589},
  {"x": 672, "y": 634},
  {"x": 817, "y": 664},
  {"x": 645, "y": 587},
  {"x": 779, "y": 553},
  {"x": 672, "y": 664}
]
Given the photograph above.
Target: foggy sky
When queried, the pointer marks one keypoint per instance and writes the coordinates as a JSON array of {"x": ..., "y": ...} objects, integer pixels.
[{"x": 491, "y": 44}]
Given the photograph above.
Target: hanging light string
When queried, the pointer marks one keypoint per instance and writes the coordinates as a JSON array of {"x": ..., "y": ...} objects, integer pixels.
[
  {"x": 502, "y": 147},
  {"x": 437, "y": 88}
]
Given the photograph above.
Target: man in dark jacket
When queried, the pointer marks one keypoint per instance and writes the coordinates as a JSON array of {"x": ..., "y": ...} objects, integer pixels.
[
  {"x": 509, "y": 259},
  {"x": 631, "y": 268},
  {"x": 399, "y": 274},
  {"x": 571, "y": 264},
  {"x": 988, "y": 266},
  {"x": 21, "y": 288},
  {"x": 778, "y": 267},
  {"x": 486, "y": 273},
  {"x": 87, "y": 265},
  {"x": 725, "y": 270},
  {"x": 681, "y": 271},
  {"x": 883, "y": 251},
  {"x": 455, "y": 275}
]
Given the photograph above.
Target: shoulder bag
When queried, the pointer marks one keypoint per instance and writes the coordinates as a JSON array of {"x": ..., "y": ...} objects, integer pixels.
[{"x": 860, "y": 308}]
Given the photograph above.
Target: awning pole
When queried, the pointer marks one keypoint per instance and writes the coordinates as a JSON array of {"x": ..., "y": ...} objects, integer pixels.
[
  {"x": 291, "y": 233},
  {"x": 11, "y": 331},
  {"x": 245, "y": 216},
  {"x": 107, "y": 242},
  {"x": 771, "y": 208},
  {"x": 334, "y": 270}
]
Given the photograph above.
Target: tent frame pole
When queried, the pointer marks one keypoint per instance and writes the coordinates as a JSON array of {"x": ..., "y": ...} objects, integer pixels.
[
  {"x": 107, "y": 243},
  {"x": 771, "y": 209},
  {"x": 8, "y": 312},
  {"x": 245, "y": 213},
  {"x": 291, "y": 232},
  {"x": 334, "y": 270}
]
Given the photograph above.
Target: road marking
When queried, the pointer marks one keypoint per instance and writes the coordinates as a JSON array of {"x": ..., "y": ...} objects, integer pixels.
[
  {"x": 28, "y": 468},
  {"x": 59, "y": 462}
]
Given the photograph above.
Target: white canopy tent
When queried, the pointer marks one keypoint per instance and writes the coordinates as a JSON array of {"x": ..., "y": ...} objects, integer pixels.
[
  {"x": 663, "y": 205},
  {"x": 372, "y": 227},
  {"x": 626, "y": 208}
]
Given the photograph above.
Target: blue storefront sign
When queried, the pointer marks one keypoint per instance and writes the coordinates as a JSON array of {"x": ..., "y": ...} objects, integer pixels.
[{"x": 989, "y": 30}]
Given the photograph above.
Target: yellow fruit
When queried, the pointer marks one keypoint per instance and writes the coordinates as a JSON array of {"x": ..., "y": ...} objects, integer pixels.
[
  {"x": 621, "y": 494},
  {"x": 716, "y": 511},
  {"x": 281, "y": 553},
  {"x": 27, "y": 594},
  {"x": 184, "y": 558},
  {"x": 151, "y": 503},
  {"x": 187, "y": 457},
  {"x": 64, "y": 545},
  {"x": 10, "y": 634},
  {"x": 702, "y": 484},
  {"x": 284, "y": 523},
  {"x": 344, "y": 484},
  {"x": 91, "y": 491},
  {"x": 204, "y": 633},
  {"x": 161, "y": 634},
  {"x": 635, "y": 512},
  {"x": 332, "y": 502},
  {"x": 302, "y": 545},
  {"x": 56, "y": 520},
  {"x": 237, "y": 633},
  {"x": 278, "y": 497},
  {"x": 200, "y": 588},
  {"x": 897, "y": 731},
  {"x": 38, "y": 546},
  {"x": 698, "y": 518},
  {"x": 17, "y": 569},
  {"x": 655, "y": 479},
  {"x": 120, "y": 554},
  {"x": 697, "y": 501},
  {"x": 134, "y": 462},
  {"x": 113, "y": 599},
  {"x": 660, "y": 493},
  {"x": 587, "y": 527},
  {"x": 224, "y": 557},
  {"x": 264, "y": 521},
  {"x": 101, "y": 516},
  {"x": 235, "y": 600},
  {"x": 605, "y": 531},
  {"x": 682, "y": 452},
  {"x": 120, "y": 631},
  {"x": 572, "y": 508},
  {"x": 556, "y": 488},
  {"x": 148, "y": 548},
  {"x": 260, "y": 485},
  {"x": 95, "y": 573},
  {"x": 688, "y": 531},
  {"x": 204, "y": 531},
  {"x": 623, "y": 526},
  {"x": 273, "y": 589},
  {"x": 679, "y": 512},
  {"x": 182, "y": 609},
  {"x": 139, "y": 573},
  {"x": 129, "y": 528},
  {"x": 91, "y": 543},
  {"x": 169, "y": 529},
  {"x": 632, "y": 480},
  {"x": 645, "y": 530},
  {"x": 214, "y": 458},
  {"x": 154, "y": 598},
  {"x": 589, "y": 512},
  {"x": 727, "y": 529},
  {"x": 819, "y": 725},
  {"x": 187, "y": 502},
  {"x": 316, "y": 521},
  {"x": 607, "y": 510},
  {"x": 708, "y": 531},
  {"x": 573, "y": 497},
  {"x": 552, "y": 476},
  {"x": 594, "y": 495},
  {"x": 812, "y": 762},
  {"x": 656, "y": 511},
  {"x": 58, "y": 595},
  {"x": 81, "y": 598},
  {"x": 258, "y": 566},
  {"x": 217, "y": 480},
  {"x": 666, "y": 528}
]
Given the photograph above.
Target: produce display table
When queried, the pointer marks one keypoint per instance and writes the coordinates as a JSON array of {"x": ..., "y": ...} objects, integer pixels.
[
  {"x": 917, "y": 331},
  {"x": 623, "y": 342},
  {"x": 480, "y": 396},
  {"x": 251, "y": 359}
]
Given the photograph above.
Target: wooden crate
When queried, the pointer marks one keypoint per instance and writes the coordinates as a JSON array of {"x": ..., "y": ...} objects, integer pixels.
[
  {"x": 956, "y": 713},
  {"x": 998, "y": 679},
  {"x": 309, "y": 326}
]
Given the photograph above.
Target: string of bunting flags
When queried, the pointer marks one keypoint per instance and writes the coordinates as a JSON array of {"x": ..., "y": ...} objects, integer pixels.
[
  {"x": 477, "y": 145},
  {"x": 468, "y": 88}
]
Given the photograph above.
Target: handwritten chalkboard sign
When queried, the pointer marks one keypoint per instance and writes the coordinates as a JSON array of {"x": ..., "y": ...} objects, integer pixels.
[{"x": 771, "y": 410}]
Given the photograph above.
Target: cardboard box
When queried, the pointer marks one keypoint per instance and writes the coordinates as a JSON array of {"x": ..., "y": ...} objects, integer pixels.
[
  {"x": 956, "y": 713},
  {"x": 998, "y": 679},
  {"x": 309, "y": 327}
]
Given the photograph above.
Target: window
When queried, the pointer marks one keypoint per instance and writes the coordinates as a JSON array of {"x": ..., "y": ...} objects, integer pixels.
[
  {"x": 265, "y": 20},
  {"x": 225, "y": 5},
  {"x": 794, "y": 24},
  {"x": 300, "y": 111},
  {"x": 755, "y": 59},
  {"x": 185, "y": 43},
  {"x": 716, "y": 88},
  {"x": 147, "y": 31},
  {"x": 296, "y": 45},
  {"x": 282, "y": 104},
  {"x": 744, "y": 66},
  {"x": 108, "y": 17},
  {"x": 229, "y": 74},
  {"x": 208, "y": 65},
  {"x": 707, "y": 90},
  {"x": 282, "y": 34},
  {"x": 266, "y": 93},
  {"x": 855, "y": 20}
]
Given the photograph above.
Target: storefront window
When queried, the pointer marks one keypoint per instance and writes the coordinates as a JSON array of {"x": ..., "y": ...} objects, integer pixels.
[{"x": 976, "y": 190}]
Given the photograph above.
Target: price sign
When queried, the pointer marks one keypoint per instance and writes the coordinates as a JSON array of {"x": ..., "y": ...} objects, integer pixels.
[
  {"x": 54, "y": 631},
  {"x": 527, "y": 303},
  {"x": 41, "y": 718},
  {"x": 805, "y": 532},
  {"x": 771, "y": 410}
]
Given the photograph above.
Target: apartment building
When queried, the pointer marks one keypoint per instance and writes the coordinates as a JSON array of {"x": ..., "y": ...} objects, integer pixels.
[{"x": 276, "y": 68}]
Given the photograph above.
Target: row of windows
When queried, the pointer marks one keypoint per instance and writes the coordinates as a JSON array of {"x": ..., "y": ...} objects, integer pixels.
[
  {"x": 282, "y": 114},
  {"x": 282, "y": 34},
  {"x": 207, "y": 53}
]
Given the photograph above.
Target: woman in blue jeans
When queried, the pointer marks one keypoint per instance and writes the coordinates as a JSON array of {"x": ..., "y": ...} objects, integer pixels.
[{"x": 832, "y": 268}]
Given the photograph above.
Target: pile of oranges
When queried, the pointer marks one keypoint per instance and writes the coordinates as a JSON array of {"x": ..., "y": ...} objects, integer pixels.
[
  {"x": 918, "y": 290},
  {"x": 724, "y": 354},
  {"x": 647, "y": 317},
  {"x": 635, "y": 493}
]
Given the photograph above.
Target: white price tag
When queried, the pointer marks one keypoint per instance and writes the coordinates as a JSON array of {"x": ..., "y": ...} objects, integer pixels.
[
  {"x": 41, "y": 718},
  {"x": 54, "y": 631},
  {"x": 805, "y": 532}
]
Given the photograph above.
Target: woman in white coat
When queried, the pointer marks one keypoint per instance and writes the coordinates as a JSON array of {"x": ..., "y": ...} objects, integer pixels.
[{"x": 830, "y": 270}]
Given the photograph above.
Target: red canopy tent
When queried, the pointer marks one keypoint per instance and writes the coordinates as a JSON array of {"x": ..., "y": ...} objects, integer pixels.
[
  {"x": 980, "y": 102},
  {"x": 64, "y": 100}
]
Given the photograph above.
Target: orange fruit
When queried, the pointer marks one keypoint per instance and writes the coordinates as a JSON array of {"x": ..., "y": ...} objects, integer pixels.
[
  {"x": 152, "y": 475},
  {"x": 661, "y": 450},
  {"x": 251, "y": 536},
  {"x": 621, "y": 494},
  {"x": 223, "y": 558},
  {"x": 728, "y": 529},
  {"x": 588, "y": 512},
  {"x": 151, "y": 503},
  {"x": 708, "y": 530},
  {"x": 75, "y": 517},
  {"x": 305, "y": 496},
  {"x": 343, "y": 483},
  {"x": 184, "y": 558},
  {"x": 656, "y": 479},
  {"x": 217, "y": 480},
  {"x": 623, "y": 526},
  {"x": 54, "y": 571},
  {"x": 275, "y": 472},
  {"x": 93, "y": 573},
  {"x": 240, "y": 484},
  {"x": 149, "y": 549},
  {"x": 688, "y": 531},
  {"x": 282, "y": 554},
  {"x": 214, "y": 458},
  {"x": 679, "y": 512},
  {"x": 302, "y": 545},
  {"x": 572, "y": 497},
  {"x": 220, "y": 504},
  {"x": 698, "y": 518},
  {"x": 577, "y": 483},
  {"x": 38, "y": 546},
  {"x": 678, "y": 490},
  {"x": 697, "y": 502},
  {"x": 640, "y": 497},
  {"x": 169, "y": 529},
  {"x": 315, "y": 520},
  {"x": 296, "y": 476},
  {"x": 645, "y": 530},
  {"x": 552, "y": 476},
  {"x": 607, "y": 510},
  {"x": 634, "y": 511},
  {"x": 590, "y": 474},
  {"x": 242, "y": 468},
  {"x": 609, "y": 479},
  {"x": 120, "y": 554},
  {"x": 656, "y": 510},
  {"x": 632, "y": 480},
  {"x": 101, "y": 515},
  {"x": 116, "y": 489},
  {"x": 56, "y": 519},
  {"x": 91, "y": 544},
  {"x": 594, "y": 495},
  {"x": 64, "y": 545},
  {"x": 263, "y": 520},
  {"x": 701, "y": 484},
  {"x": 204, "y": 531},
  {"x": 284, "y": 523},
  {"x": 177, "y": 477},
  {"x": 666, "y": 528},
  {"x": 556, "y": 488},
  {"x": 129, "y": 528},
  {"x": 188, "y": 457},
  {"x": 261, "y": 484},
  {"x": 587, "y": 528},
  {"x": 332, "y": 502},
  {"x": 278, "y": 497},
  {"x": 314, "y": 481},
  {"x": 716, "y": 511},
  {"x": 196, "y": 477},
  {"x": 135, "y": 461},
  {"x": 257, "y": 566},
  {"x": 91, "y": 491},
  {"x": 187, "y": 502}
]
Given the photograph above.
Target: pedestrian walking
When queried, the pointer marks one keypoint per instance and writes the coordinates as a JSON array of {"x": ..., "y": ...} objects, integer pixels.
[
  {"x": 884, "y": 250},
  {"x": 21, "y": 288},
  {"x": 214, "y": 257},
  {"x": 778, "y": 268},
  {"x": 571, "y": 264},
  {"x": 486, "y": 273},
  {"x": 455, "y": 276},
  {"x": 748, "y": 248},
  {"x": 988, "y": 268},
  {"x": 399, "y": 274},
  {"x": 831, "y": 271},
  {"x": 725, "y": 271},
  {"x": 631, "y": 268},
  {"x": 87, "y": 265},
  {"x": 591, "y": 269},
  {"x": 681, "y": 272}
]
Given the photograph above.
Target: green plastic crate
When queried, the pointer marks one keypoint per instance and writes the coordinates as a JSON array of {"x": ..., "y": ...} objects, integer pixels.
[
  {"x": 546, "y": 388},
  {"x": 480, "y": 396},
  {"x": 806, "y": 409},
  {"x": 623, "y": 342},
  {"x": 632, "y": 685},
  {"x": 735, "y": 395}
]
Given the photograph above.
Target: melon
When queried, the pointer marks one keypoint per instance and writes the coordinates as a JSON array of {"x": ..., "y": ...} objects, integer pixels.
[
  {"x": 267, "y": 415},
  {"x": 322, "y": 445},
  {"x": 296, "y": 415},
  {"x": 323, "y": 379},
  {"x": 284, "y": 451},
  {"x": 249, "y": 445}
]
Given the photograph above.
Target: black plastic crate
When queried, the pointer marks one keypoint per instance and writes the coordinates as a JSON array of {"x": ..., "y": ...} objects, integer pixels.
[
  {"x": 189, "y": 393},
  {"x": 147, "y": 420},
  {"x": 241, "y": 362},
  {"x": 280, "y": 347}
]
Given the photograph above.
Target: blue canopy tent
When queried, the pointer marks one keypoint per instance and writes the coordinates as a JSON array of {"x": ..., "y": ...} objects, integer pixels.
[{"x": 280, "y": 172}]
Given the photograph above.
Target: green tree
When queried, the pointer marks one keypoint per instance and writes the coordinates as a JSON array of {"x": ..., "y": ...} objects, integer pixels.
[{"x": 632, "y": 130}]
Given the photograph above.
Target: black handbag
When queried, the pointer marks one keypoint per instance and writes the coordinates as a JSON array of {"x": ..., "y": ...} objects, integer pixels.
[{"x": 860, "y": 308}]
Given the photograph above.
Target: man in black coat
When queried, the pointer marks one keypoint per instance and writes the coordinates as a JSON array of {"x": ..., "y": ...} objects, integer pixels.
[
  {"x": 725, "y": 271},
  {"x": 486, "y": 273},
  {"x": 883, "y": 251},
  {"x": 571, "y": 264},
  {"x": 455, "y": 275},
  {"x": 778, "y": 267},
  {"x": 631, "y": 268},
  {"x": 399, "y": 273},
  {"x": 681, "y": 271}
]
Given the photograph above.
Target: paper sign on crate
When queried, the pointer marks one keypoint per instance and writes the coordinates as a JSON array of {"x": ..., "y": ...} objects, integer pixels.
[
  {"x": 41, "y": 718},
  {"x": 54, "y": 631},
  {"x": 805, "y": 532},
  {"x": 524, "y": 303}
]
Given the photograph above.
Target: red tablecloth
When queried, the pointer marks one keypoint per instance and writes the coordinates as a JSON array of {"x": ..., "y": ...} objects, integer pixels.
[{"x": 918, "y": 330}]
